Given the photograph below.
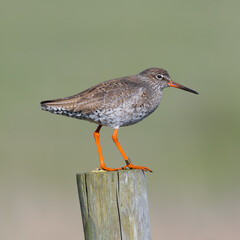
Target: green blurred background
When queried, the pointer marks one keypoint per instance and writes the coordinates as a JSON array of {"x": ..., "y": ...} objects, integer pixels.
[{"x": 52, "y": 49}]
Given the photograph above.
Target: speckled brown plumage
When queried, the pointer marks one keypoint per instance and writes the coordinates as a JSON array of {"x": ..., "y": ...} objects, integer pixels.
[{"x": 118, "y": 102}]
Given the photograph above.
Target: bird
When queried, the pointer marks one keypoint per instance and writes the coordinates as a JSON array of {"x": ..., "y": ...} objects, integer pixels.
[{"x": 116, "y": 103}]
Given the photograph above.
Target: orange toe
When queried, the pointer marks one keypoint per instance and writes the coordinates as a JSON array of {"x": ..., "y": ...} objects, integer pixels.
[
  {"x": 137, "y": 167},
  {"x": 103, "y": 167}
]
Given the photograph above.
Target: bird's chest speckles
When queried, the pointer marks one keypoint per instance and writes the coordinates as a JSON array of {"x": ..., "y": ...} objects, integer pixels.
[{"x": 125, "y": 113}]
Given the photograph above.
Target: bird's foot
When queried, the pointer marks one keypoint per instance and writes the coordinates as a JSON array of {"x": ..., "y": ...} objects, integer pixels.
[
  {"x": 103, "y": 167},
  {"x": 137, "y": 167}
]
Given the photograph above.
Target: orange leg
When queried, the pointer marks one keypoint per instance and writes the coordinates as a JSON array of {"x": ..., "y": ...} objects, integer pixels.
[
  {"x": 129, "y": 164},
  {"x": 102, "y": 164}
]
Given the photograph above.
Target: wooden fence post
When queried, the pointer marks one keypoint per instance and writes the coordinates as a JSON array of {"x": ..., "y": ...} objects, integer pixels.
[{"x": 114, "y": 205}]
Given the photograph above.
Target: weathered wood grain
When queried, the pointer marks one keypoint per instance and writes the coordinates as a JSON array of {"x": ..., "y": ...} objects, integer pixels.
[{"x": 114, "y": 205}]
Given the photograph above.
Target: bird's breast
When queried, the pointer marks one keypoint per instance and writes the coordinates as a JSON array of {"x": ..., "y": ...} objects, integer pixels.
[{"x": 128, "y": 111}]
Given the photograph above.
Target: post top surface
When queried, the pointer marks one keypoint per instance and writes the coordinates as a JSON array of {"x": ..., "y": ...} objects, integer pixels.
[{"x": 95, "y": 171}]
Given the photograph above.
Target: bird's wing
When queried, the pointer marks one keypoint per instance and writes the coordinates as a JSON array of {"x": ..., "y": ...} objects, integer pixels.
[
  {"x": 85, "y": 101},
  {"x": 104, "y": 95},
  {"x": 125, "y": 91}
]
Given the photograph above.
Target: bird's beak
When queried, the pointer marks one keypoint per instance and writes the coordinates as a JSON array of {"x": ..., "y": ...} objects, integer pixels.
[{"x": 176, "y": 85}]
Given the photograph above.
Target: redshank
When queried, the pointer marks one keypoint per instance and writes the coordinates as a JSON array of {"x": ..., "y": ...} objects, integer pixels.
[{"x": 116, "y": 103}]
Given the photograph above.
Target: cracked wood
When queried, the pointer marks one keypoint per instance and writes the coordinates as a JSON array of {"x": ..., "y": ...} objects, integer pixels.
[{"x": 114, "y": 205}]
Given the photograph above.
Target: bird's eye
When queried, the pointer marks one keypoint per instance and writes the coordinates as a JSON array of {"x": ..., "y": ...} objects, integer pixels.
[{"x": 159, "y": 76}]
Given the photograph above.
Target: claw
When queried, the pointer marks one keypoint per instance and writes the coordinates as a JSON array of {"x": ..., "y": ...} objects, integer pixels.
[{"x": 137, "y": 167}]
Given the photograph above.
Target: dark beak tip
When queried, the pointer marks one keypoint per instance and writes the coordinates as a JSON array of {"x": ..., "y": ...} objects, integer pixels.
[{"x": 195, "y": 92}]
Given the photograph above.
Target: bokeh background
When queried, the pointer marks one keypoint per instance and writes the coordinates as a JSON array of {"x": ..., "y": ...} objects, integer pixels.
[{"x": 52, "y": 49}]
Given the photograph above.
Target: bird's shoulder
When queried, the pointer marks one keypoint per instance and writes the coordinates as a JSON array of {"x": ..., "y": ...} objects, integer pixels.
[{"x": 110, "y": 87}]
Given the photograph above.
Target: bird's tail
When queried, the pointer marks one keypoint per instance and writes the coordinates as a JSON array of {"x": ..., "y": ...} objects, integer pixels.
[{"x": 45, "y": 104}]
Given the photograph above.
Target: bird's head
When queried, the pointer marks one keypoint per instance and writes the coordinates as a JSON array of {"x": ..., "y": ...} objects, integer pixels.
[{"x": 161, "y": 77}]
